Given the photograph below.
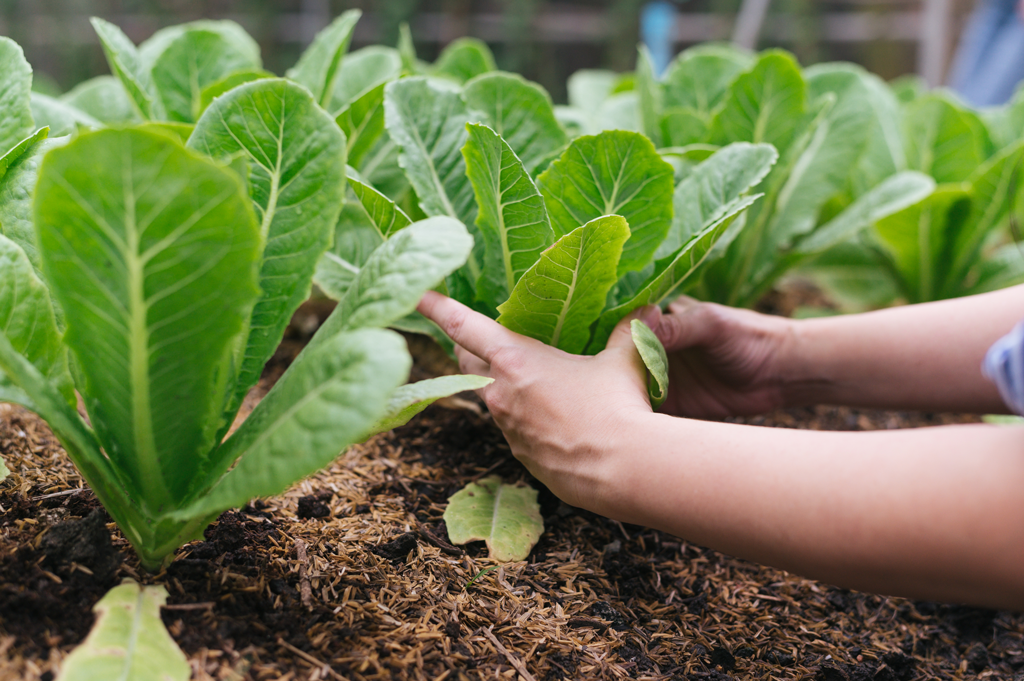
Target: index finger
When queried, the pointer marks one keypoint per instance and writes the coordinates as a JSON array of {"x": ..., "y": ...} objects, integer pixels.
[{"x": 479, "y": 334}]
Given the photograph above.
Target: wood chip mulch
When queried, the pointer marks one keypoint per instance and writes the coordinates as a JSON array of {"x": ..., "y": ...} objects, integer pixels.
[{"x": 349, "y": 575}]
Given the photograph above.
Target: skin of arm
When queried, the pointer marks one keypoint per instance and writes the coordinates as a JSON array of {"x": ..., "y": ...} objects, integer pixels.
[{"x": 930, "y": 513}]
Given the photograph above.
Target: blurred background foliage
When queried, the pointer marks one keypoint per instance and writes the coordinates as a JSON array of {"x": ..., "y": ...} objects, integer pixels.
[{"x": 545, "y": 41}]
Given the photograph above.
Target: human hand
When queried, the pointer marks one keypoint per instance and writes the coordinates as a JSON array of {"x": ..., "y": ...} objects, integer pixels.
[
  {"x": 722, "y": 361},
  {"x": 564, "y": 416}
]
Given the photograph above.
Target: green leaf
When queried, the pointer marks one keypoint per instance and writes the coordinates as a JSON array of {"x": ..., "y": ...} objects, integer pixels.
[
  {"x": 682, "y": 127},
  {"x": 128, "y": 641},
  {"x": 512, "y": 217},
  {"x": 199, "y": 57},
  {"x": 228, "y": 83},
  {"x": 319, "y": 65},
  {"x": 614, "y": 173},
  {"x": 1000, "y": 270},
  {"x": 27, "y": 319},
  {"x": 19, "y": 149},
  {"x": 428, "y": 121},
  {"x": 699, "y": 78},
  {"x": 16, "y": 189},
  {"x": 464, "y": 59},
  {"x": 4, "y": 471},
  {"x": 15, "y": 86},
  {"x": 917, "y": 238},
  {"x": 103, "y": 98},
  {"x": 890, "y": 196},
  {"x": 297, "y": 183},
  {"x": 149, "y": 249},
  {"x": 125, "y": 63},
  {"x": 943, "y": 139},
  {"x": 520, "y": 112},
  {"x": 854, "y": 275},
  {"x": 649, "y": 91},
  {"x": 908, "y": 88},
  {"x": 367, "y": 220},
  {"x": 1006, "y": 123},
  {"x": 507, "y": 517},
  {"x": 765, "y": 104},
  {"x": 670, "y": 273},
  {"x": 589, "y": 88},
  {"x": 712, "y": 188},
  {"x": 365, "y": 70},
  {"x": 412, "y": 398},
  {"x": 652, "y": 352},
  {"x": 329, "y": 398},
  {"x": 558, "y": 299},
  {"x": 363, "y": 124},
  {"x": 59, "y": 116},
  {"x": 417, "y": 323},
  {"x": 398, "y": 273}
]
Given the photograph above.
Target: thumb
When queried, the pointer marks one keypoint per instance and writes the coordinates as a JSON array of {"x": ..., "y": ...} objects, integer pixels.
[
  {"x": 688, "y": 323},
  {"x": 622, "y": 335}
]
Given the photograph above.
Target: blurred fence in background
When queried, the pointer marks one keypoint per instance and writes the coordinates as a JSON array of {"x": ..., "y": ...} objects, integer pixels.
[{"x": 545, "y": 41}]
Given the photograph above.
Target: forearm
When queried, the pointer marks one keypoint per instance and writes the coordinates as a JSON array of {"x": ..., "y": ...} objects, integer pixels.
[
  {"x": 925, "y": 357},
  {"x": 930, "y": 513}
]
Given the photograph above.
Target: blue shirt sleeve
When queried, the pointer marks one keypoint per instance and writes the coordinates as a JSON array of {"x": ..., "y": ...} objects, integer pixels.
[{"x": 1004, "y": 366}]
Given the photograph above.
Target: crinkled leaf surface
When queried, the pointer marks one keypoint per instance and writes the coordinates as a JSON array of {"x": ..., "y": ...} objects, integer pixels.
[
  {"x": 126, "y": 64},
  {"x": 200, "y": 56},
  {"x": 671, "y": 272},
  {"x": 558, "y": 299},
  {"x": 507, "y": 517},
  {"x": 27, "y": 319},
  {"x": 464, "y": 59},
  {"x": 128, "y": 640},
  {"x": 329, "y": 398},
  {"x": 520, "y": 112},
  {"x": 412, "y": 398},
  {"x": 103, "y": 98},
  {"x": 764, "y": 104},
  {"x": 428, "y": 121},
  {"x": 652, "y": 352},
  {"x": 15, "y": 85},
  {"x": 942, "y": 138},
  {"x": 367, "y": 220},
  {"x": 297, "y": 182},
  {"x": 319, "y": 65},
  {"x": 150, "y": 250},
  {"x": 699, "y": 78},
  {"x": 59, "y": 116},
  {"x": 512, "y": 217},
  {"x": 613, "y": 173}
]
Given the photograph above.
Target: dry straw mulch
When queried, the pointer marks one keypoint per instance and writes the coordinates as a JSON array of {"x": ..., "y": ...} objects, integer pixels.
[{"x": 349, "y": 576}]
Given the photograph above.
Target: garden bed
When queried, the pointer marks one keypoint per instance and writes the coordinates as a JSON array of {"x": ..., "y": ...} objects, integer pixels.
[{"x": 349, "y": 575}]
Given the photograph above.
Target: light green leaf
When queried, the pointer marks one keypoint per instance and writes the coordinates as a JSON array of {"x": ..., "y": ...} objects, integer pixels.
[
  {"x": 364, "y": 70},
  {"x": 1006, "y": 123},
  {"x": 4, "y": 470},
  {"x": 398, "y": 273},
  {"x": 319, "y": 65},
  {"x": 329, "y": 398},
  {"x": 670, "y": 273},
  {"x": 407, "y": 50},
  {"x": 681, "y": 126},
  {"x": 890, "y": 196},
  {"x": 712, "y": 187},
  {"x": 27, "y": 319},
  {"x": 149, "y": 249},
  {"x": 363, "y": 124},
  {"x": 908, "y": 88},
  {"x": 428, "y": 122},
  {"x": 999, "y": 270},
  {"x": 765, "y": 104},
  {"x": 367, "y": 220},
  {"x": 463, "y": 59},
  {"x": 16, "y": 152},
  {"x": 16, "y": 189},
  {"x": 507, "y": 517},
  {"x": 649, "y": 92},
  {"x": 558, "y": 299},
  {"x": 943, "y": 139},
  {"x": 61, "y": 117},
  {"x": 512, "y": 217},
  {"x": 412, "y": 398},
  {"x": 200, "y": 56},
  {"x": 699, "y": 78},
  {"x": 297, "y": 183},
  {"x": 153, "y": 47},
  {"x": 589, "y": 88},
  {"x": 15, "y": 86},
  {"x": 228, "y": 83},
  {"x": 520, "y": 112},
  {"x": 652, "y": 352},
  {"x": 128, "y": 641},
  {"x": 103, "y": 98},
  {"x": 854, "y": 275},
  {"x": 614, "y": 173},
  {"x": 126, "y": 64}
]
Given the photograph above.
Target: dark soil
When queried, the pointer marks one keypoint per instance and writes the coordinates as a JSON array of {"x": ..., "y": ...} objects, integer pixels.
[{"x": 350, "y": 575}]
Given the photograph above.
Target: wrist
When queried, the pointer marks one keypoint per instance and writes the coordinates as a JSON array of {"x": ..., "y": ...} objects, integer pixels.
[{"x": 802, "y": 373}]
